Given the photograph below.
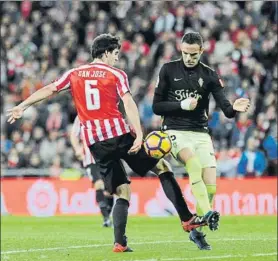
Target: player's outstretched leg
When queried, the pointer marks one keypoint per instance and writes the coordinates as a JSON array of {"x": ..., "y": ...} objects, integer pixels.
[
  {"x": 197, "y": 235},
  {"x": 198, "y": 187},
  {"x": 174, "y": 194}
]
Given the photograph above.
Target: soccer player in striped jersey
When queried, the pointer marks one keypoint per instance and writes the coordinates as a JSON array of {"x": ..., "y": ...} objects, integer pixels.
[
  {"x": 96, "y": 89},
  {"x": 82, "y": 152}
]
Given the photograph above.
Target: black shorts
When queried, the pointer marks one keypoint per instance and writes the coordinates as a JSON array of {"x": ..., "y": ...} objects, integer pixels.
[
  {"x": 93, "y": 172},
  {"x": 108, "y": 155}
]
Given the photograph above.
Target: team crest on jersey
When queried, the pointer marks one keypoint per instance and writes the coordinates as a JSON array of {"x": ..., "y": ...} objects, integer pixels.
[{"x": 201, "y": 82}]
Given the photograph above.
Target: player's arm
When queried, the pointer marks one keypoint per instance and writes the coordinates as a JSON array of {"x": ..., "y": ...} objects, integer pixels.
[
  {"x": 41, "y": 94},
  {"x": 160, "y": 104},
  {"x": 132, "y": 113},
  {"x": 58, "y": 85},
  {"x": 134, "y": 119},
  {"x": 217, "y": 89},
  {"x": 131, "y": 110}
]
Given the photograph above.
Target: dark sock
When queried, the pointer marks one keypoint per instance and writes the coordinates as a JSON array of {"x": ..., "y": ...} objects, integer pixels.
[
  {"x": 110, "y": 203},
  {"x": 100, "y": 198},
  {"x": 120, "y": 212},
  {"x": 173, "y": 192}
]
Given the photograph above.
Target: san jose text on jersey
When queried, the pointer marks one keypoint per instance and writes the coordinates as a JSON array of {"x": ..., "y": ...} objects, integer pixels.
[
  {"x": 175, "y": 83},
  {"x": 96, "y": 89}
]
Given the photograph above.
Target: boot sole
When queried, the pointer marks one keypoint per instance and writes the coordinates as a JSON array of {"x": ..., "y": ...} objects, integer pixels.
[{"x": 213, "y": 221}]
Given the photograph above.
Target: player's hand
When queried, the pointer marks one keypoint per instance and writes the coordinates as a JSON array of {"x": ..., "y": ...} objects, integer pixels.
[
  {"x": 79, "y": 154},
  {"x": 241, "y": 105},
  {"x": 137, "y": 144},
  {"x": 14, "y": 114},
  {"x": 189, "y": 104}
]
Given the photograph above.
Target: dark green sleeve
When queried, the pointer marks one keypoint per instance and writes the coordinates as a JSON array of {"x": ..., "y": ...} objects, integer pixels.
[
  {"x": 160, "y": 104},
  {"x": 217, "y": 90}
]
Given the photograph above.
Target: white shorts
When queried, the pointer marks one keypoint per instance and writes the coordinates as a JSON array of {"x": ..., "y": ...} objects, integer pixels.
[{"x": 198, "y": 142}]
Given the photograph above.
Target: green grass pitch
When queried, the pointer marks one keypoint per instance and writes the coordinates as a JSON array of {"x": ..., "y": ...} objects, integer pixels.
[{"x": 152, "y": 239}]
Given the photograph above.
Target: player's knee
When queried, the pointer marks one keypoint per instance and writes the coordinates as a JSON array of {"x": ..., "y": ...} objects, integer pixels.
[
  {"x": 195, "y": 163},
  {"x": 99, "y": 184},
  {"x": 123, "y": 191},
  {"x": 162, "y": 166},
  {"x": 185, "y": 154}
]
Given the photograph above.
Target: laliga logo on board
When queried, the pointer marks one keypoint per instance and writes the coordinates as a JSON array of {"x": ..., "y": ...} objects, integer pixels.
[{"x": 42, "y": 199}]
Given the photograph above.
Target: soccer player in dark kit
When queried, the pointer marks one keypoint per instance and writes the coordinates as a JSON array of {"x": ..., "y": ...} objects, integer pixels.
[
  {"x": 182, "y": 98},
  {"x": 96, "y": 89}
]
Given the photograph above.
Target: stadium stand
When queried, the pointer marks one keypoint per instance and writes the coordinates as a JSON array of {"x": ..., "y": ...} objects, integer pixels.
[{"x": 42, "y": 39}]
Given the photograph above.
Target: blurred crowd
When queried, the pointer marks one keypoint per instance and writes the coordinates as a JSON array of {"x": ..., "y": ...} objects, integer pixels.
[{"x": 40, "y": 40}]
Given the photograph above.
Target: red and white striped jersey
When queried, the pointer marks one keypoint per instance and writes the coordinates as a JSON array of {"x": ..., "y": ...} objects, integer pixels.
[
  {"x": 76, "y": 129},
  {"x": 96, "y": 89}
]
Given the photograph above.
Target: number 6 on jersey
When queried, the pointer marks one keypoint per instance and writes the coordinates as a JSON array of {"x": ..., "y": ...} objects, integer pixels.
[{"x": 92, "y": 95}]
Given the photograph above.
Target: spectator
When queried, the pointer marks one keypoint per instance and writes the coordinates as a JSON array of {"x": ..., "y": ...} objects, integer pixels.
[
  {"x": 223, "y": 47},
  {"x": 241, "y": 130},
  {"x": 37, "y": 137},
  {"x": 35, "y": 161},
  {"x": 147, "y": 32},
  {"x": 13, "y": 159},
  {"x": 270, "y": 146},
  {"x": 6, "y": 144},
  {"x": 49, "y": 148},
  {"x": 164, "y": 22},
  {"x": 252, "y": 162},
  {"x": 56, "y": 120},
  {"x": 227, "y": 162},
  {"x": 56, "y": 168}
]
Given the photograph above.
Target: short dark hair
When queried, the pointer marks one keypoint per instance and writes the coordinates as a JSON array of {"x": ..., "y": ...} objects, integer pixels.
[
  {"x": 192, "y": 38},
  {"x": 103, "y": 43}
]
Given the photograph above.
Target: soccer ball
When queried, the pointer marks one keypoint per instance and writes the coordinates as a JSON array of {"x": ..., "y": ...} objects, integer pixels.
[{"x": 157, "y": 144}]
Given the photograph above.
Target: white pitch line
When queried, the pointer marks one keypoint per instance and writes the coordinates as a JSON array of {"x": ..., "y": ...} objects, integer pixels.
[
  {"x": 131, "y": 243},
  {"x": 204, "y": 257},
  {"x": 265, "y": 254},
  {"x": 214, "y": 257}
]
